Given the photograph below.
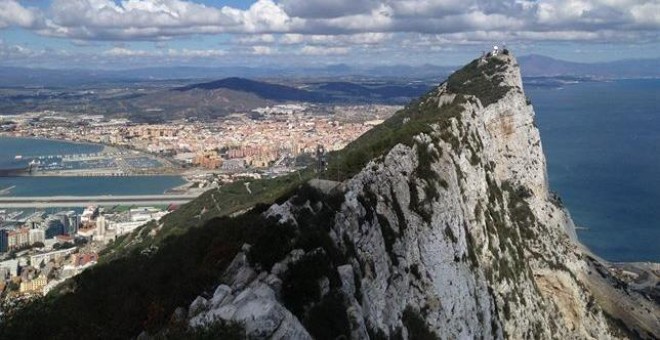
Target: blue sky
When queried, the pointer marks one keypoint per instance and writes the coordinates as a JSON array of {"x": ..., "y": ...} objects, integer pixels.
[{"x": 137, "y": 33}]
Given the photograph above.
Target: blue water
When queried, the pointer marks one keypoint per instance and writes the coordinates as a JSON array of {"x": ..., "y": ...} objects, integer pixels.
[
  {"x": 30, "y": 147},
  {"x": 89, "y": 186},
  {"x": 602, "y": 142},
  {"x": 71, "y": 186}
]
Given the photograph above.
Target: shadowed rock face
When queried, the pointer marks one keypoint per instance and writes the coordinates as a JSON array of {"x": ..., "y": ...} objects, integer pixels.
[{"x": 451, "y": 236}]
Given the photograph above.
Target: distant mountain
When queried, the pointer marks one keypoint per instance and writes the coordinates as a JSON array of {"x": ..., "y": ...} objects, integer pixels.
[
  {"x": 159, "y": 101},
  {"x": 321, "y": 92},
  {"x": 534, "y": 66},
  {"x": 436, "y": 224},
  {"x": 384, "y": 91},
  {"x": 262, "y": 89},
  {"x": 541, "y": 66},
  {"x": 24, "y": 76}
]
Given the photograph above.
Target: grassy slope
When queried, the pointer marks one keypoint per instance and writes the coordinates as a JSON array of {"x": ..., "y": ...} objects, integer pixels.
[
  {"x": 224, "y": 201},
  {"x": 474, "y": 79},
  {"x": 135, "y": 290}
]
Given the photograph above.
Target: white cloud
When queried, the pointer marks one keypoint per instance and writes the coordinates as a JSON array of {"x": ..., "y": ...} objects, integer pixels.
[
  {"x": 20, "y": 53},
  {"x": 14, "y": 14},
  {"x": 647, "y": 14},
  {"x": 123, "y": 52},
  {"x": 262, "y": 50},
  {"x": 374, "y": 38},
  {"x": 188, "y": 53},
  {"x": 318, "y": 50},
  {"x": 265, "y": 16},
  {"x": 340, "y": 23},
  {"x": 158, "y": 19},
  {"x": 251, "y": 39},
  {"x": 328, "y": 9}
]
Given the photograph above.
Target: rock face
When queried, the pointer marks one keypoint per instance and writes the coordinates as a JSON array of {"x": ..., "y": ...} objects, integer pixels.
[{"x": 453, "y": 235}]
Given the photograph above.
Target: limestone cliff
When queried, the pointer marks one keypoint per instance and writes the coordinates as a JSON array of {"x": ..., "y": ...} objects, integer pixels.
[{"x": 450, "y": 234}]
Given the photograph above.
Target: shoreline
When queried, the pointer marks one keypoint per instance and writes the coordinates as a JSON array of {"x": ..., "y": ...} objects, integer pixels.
[
  {"x": 103, "y": 172},
  {"x": 73, "y": 175},
  {"x": 103, "y": 146}
]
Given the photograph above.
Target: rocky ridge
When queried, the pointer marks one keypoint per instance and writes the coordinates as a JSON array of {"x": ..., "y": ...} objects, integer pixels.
[{"x": 451, "y": 234}]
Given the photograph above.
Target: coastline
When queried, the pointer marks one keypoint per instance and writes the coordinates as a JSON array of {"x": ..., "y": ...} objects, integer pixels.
[
  {"x": 103, "y": 146},
  {"x": 10, "y": 184},
  {"x": 99, "y": 172}
]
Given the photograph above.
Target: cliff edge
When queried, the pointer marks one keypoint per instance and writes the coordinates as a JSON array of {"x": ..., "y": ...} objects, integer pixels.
[
  {"x": 436, "y": 224},
  {"x": 452, "y": 233}
]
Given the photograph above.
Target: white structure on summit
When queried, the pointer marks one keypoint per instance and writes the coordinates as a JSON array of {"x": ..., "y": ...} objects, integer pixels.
[{"x": 496, "y": 51}]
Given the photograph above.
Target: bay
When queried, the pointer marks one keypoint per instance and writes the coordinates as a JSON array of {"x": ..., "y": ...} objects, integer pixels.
[
  {"x": 89, "y": 186},
  {"x": 602, "y": 143},
  {"x": 71, "y": 186},
  {"x": 27, "y": 148}
]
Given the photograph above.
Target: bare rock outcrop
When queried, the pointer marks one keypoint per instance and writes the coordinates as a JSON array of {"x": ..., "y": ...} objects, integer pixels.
[{"x": 452, "y": 235}]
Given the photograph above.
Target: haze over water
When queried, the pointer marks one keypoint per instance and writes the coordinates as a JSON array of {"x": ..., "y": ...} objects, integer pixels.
[{"x": 602, "y": 143}]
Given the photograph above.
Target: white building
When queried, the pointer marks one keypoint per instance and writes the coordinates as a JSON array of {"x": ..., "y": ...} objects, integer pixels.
[
  {"x": 37, "y": 259},
  {"x": 11, "y": 266},
  {"x": 37, "y": 235}
]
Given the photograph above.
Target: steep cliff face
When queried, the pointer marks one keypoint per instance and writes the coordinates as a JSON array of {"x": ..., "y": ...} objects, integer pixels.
[{"x": 450, "y": 234}]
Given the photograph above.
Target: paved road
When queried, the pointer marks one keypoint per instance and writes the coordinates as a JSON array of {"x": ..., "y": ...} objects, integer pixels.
[{"x": 81, "y": 201}]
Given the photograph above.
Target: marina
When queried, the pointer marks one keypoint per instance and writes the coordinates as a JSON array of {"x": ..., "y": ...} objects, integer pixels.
[
  {"x": 109, "y": 161},
  {"x": 78, "y": 173}
]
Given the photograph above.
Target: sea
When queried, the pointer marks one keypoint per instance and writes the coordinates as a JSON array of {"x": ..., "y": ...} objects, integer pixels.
[
  {"x": 601, "y": 140},
  {"x": 602, "y": 144},
  {"x": 27, "y": 148}
]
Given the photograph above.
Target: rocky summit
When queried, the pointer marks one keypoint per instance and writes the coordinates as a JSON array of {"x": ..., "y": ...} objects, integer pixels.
[
  {"x": 437, "y": 224},
  {"x": 453, "y": 234}
]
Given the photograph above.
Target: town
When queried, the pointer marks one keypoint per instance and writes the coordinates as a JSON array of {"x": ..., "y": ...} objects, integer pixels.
[
  {"x": 269, "y": 139},
  {"x": 39, "y": 250}
]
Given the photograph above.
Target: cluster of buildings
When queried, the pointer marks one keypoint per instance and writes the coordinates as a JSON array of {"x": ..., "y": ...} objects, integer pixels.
[
  {"x": 39, "y": 250},
  {"x": 257, "y": 139},
  {"x": 109, "y": 226},
  {"x": 17, "y": 232},
  {"x": 38, "y": 273}
]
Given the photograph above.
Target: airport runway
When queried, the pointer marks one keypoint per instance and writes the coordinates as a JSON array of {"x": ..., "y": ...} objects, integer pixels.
[{"x": 81, "y": 201}]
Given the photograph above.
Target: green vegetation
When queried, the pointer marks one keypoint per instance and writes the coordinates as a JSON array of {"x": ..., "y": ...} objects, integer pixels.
[
  {"x": 300, "y": 288},
  {"x": 480, "y": 79},
  {"x": 328, "y": 319},
  {"x": 224, "y": 201},
  {"x": 556, "y": 200},
  {"x": 324, "y": 316},
  {"x": 519, "y": 210},
  {"x": 274, "y": 245},
  {"x": 119, "y": 299},
  {"x": 145, "y": 276},
  {"x": 217, "y": 330},
  {"x": 414, "y": 119}
]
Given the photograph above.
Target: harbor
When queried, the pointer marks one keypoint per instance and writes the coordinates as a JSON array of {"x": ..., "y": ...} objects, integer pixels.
[{"x": 109, "y": 162}]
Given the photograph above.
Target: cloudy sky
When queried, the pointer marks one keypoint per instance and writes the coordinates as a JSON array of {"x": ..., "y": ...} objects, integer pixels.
[{"x": 136, "y": 33}]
